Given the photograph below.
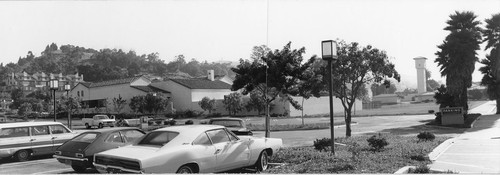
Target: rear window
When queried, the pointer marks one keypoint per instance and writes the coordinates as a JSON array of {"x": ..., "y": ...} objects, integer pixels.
[
  {"x": 14, "y": 132},
  {"x": 158, "y": 138},
  {"x": 86, "y": 137},
  {"x": 227, "y": 123}
]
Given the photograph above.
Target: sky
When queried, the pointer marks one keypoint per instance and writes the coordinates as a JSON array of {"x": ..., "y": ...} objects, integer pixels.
[{"x": 226, "y": 30}]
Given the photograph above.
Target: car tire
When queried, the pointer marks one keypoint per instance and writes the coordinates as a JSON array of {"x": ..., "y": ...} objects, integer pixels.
[
  {"x": 185, "y": 169},
  {"x": 100, "y": 125},
  {"x": 263, "y": 161},
  {"x": 22, "y": 155},
  {"x": 78, "y": 168},
  {"x": 87, "y": 126}
]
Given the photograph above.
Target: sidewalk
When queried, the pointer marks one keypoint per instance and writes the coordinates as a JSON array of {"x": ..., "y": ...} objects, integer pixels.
[{"x": 475, "y": 151}]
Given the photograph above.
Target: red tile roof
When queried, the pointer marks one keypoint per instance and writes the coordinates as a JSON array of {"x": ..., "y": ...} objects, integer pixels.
[
  {"x": 110, "y": 82},
  {"x": 150, "y": 89},
  {"x": 202, "y": 84}
]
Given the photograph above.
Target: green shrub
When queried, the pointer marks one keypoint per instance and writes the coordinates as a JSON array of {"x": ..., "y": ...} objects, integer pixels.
[
  {"x": 421, "y": 169},
  {"x": 426, "y": 136},
  {"x": 377, "y": 142},
  {"x": 214, "y": 115},
  {"x": 323, "y": 144}
]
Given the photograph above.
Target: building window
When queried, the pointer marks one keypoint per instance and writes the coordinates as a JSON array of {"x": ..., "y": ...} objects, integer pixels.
[
  {"x": 82, "y": 93},
  {"x": 78, "y": 93}
]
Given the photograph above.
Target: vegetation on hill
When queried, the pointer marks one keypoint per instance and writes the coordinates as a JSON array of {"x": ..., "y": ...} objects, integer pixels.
[{"x": 108, "y": 64}]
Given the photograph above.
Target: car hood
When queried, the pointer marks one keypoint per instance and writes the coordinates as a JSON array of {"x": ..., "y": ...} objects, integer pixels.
[{"x": 132, "y": 152}]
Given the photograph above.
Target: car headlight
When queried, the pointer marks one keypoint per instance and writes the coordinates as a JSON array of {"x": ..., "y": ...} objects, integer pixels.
[
  {"x": 58, "y": 153},
  {"x": 79, "y": 155}
]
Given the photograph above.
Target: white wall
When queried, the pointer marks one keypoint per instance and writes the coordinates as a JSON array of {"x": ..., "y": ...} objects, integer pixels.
[
  {"x": 218, "y": 94},
  {"x": 181, "y": 95}
]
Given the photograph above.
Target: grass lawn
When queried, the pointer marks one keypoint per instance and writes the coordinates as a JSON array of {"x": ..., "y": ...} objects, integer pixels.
[
  {"x": 401, "y": 151},
  {"x": 294, "y": 127}
]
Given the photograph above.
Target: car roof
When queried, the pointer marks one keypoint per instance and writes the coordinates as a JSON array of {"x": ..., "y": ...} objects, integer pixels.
[
  {"x": 187, "y": 133},
  {"x": 227, "y": 118},
  {"x": 27, "y": 124},
  {"x": 108, "y": 130}
]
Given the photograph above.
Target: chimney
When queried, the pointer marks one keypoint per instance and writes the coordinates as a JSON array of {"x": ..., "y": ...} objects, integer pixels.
[{"x": 211, "y": 75}]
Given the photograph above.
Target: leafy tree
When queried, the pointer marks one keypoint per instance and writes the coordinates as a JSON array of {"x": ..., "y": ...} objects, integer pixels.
[
  {"x": 16, "y": 95},
  {"x": 119, "y": 103},
  {"x": 385, "y": 88},
  {"x": 155, "y": 102},
  {"x": 355, "y": 67},
  {"x": 256, "y": 102},
  {"x": 137, "y": 104},
  {"x": 432, "y": 84},
  {"x": 310, "y": 86},
  {"x": 233, "y": 103},
  {"x": 491, "y": 68},
  {"x": 208, "y": 104},
  {"x": 24, "y": 109},
  {"x": 457, "y": 55}
]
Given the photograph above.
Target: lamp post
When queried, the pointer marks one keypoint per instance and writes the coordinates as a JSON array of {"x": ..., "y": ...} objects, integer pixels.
[
  {"x": 54, "y": 85},
  {"x": 329, "y": 53},
  {"x": 67, "y": 88}
]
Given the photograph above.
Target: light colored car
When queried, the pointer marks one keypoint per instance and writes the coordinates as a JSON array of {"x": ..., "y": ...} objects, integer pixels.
[
  {"x": 189, "y": 149},
  {"x": 22, "y": 140},
  {"x": 99, "y": 121}
]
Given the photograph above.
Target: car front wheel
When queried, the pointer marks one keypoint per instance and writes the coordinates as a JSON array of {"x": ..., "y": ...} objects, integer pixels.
[
  {"x": 263, "y": 161},
  {"x": 185, "y": 169}
]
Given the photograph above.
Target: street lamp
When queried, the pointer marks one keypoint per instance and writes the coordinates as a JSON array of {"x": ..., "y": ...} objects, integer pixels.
[
  {"x": 54, "y": 85},
  {"x": 329, "y": 53},
  {"x": 67, "y": 88}
]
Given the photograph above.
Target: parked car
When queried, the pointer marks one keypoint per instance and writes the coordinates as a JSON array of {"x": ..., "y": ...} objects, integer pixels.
[
  {"x": 79, "y": 151},
  {"x": 21, "y": 140},
  {"x": 169, "y": 121},
  {"x": 236, "y": 125},
  {"x": 189, "y": 149},
  {"x": 99, "y": 121}
]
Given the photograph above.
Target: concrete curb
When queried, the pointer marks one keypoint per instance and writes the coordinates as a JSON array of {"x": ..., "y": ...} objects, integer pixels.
[
  {"x": 441, "y": 148},
  {"x": 404, "y": 170}
]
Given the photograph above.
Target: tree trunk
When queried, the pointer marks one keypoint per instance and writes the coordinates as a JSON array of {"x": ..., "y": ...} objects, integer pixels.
[
  {"x": 498, "y": 106},
  {"x": 302, "y": 111},
  {"x": 348, "y": 122}
]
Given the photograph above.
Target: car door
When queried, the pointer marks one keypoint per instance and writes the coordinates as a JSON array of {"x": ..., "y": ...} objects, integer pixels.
[
  {"x": 41, "y": 140},
  {"x": 60, "y": 134},
  {"x": 229, "y": 154},
  {"x": 205, "y": 153}
]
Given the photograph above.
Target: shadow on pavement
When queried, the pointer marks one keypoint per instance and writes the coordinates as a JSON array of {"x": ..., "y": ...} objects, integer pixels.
[
  {"x": 10, "y": 160},
  {"x": 413, "y": 130}
]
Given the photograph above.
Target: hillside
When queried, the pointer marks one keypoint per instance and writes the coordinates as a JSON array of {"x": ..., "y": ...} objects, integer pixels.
[{"x": 107, "y": 64}]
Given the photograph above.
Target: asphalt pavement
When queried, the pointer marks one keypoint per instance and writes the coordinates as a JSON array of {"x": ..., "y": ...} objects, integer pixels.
[{"x": 477, "y": 150}]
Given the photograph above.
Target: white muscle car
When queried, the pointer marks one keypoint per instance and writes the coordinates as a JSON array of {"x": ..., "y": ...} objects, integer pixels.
[{"x": 189, "y": 149}]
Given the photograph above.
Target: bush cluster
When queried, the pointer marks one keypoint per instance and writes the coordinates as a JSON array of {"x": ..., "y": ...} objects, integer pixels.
[
  {"x": 426, "y": 136},
  {"x": 323, "y": 144},
  {"x": 421, "y": 169},
  {"x": 214, "y": 115},
  {"x": 377, "y": 142}
]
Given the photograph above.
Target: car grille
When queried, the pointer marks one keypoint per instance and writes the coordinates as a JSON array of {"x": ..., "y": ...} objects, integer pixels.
[{"x": 127, "y": 164}]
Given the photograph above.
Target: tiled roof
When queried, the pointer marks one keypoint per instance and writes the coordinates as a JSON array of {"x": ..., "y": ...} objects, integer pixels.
[
  {"x": 202, "y": 84},
  {"x": 150, "y": 89},
  {"x": 111, "y": 82}
]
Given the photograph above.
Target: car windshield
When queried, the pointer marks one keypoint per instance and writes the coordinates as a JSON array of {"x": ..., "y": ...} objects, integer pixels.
[
  {"x": 158, "y": 138},
  {"x": 102, "y": 117},
  {"x": 227, "y": 123},
  {"x": 86, "y": 137}
]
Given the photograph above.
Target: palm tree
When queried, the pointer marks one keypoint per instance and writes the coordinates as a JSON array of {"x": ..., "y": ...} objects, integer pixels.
[
  {"x": 457, "y": 55},
  {"x": 491, "y": 69}
]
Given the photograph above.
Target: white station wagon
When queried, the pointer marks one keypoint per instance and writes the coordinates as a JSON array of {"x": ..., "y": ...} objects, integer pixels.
[
  {"x": 25, "y": 139},
  {"x": 188, "y": 149}
]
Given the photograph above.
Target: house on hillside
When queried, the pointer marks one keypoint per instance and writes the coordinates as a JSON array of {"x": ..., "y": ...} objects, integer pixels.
[{"x": 95, "y": 95}]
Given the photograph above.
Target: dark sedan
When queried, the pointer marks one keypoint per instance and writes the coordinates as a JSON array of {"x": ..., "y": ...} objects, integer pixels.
[
  {"x": 236, "y": 125},
  {"x": 79, "y": 151}
]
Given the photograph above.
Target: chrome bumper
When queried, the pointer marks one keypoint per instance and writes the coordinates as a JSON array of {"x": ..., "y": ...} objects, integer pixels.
[{"x": 70, "y": 158}]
